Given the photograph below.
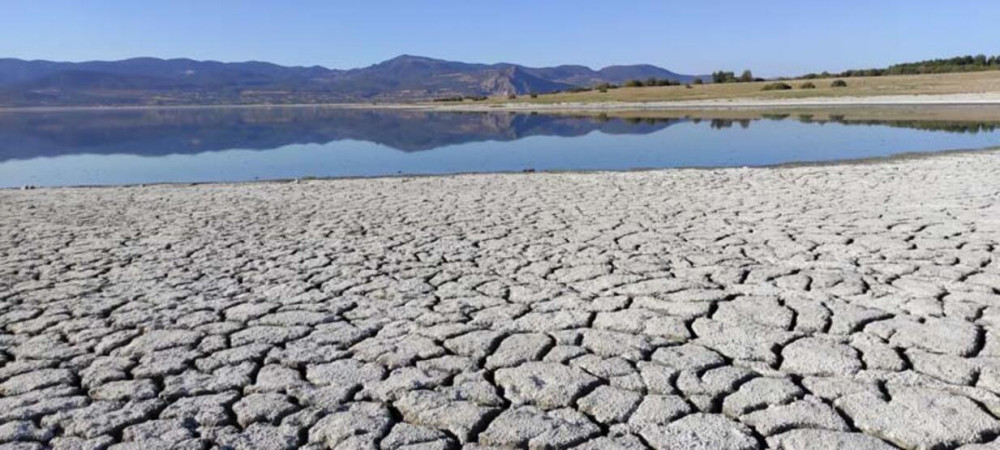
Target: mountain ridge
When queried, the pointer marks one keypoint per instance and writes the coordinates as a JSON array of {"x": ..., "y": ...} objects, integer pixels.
[{"x": 184, "y": 81}]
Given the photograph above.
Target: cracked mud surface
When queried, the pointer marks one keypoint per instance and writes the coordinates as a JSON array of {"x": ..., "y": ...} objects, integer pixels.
[{"x": 825, "y": 307}]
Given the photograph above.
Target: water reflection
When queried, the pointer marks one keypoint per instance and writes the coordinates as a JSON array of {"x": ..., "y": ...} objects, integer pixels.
[
  {"x": 25, "y": 135},
  {"x": 950, "y": 126},
  {"x": 179, "y": 131},
  {"x": 236, "y": 144}
]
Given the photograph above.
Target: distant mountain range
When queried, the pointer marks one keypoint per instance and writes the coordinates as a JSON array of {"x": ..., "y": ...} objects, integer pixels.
[{"x": 153, "y": 81}]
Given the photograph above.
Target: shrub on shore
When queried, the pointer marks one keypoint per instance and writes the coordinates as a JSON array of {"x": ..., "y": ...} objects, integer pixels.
[
  {"x": 651, "y": 82},
  {"x": 838, "y": 84},
  {"x": 776, "y": 87},
  {"x": 807, "y": 85}
]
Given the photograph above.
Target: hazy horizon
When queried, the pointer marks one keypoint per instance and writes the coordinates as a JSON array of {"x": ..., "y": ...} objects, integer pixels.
[{"x": 781, "y": 38}]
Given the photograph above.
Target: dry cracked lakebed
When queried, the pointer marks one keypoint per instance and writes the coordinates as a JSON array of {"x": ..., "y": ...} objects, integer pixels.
[{"x": 845, "y": 306}]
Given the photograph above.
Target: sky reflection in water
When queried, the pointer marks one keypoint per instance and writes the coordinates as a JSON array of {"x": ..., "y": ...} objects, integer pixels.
[{"x": 205, "y": 145}]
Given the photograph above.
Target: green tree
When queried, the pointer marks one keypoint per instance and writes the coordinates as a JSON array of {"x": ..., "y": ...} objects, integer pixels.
[
  {"x": 746, "y": 76},
  {"x": 723, "y": 77}
]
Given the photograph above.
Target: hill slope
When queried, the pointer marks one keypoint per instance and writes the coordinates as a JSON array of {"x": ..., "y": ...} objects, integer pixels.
[{"x": 153, "y": 81}]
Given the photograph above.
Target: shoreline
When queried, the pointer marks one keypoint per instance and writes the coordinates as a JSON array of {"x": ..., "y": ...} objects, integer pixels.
[
  {"x": 991, "y": 99},
  {"x": 874, "y": 160},
  {"x": 971, "y": 99}
]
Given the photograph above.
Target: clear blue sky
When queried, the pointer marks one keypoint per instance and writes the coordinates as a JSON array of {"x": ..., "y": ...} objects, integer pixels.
[{"x": 772, "y": 37}]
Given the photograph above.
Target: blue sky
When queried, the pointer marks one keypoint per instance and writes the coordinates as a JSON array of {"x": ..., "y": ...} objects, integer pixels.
[{"x": 774, "y": 37}]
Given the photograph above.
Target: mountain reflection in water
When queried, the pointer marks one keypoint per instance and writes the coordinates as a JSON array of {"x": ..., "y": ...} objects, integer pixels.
[
  {"x": 179, "y": 131},
  {"x": 239, "y": 144},
  {"x": 154, "y": 132}
]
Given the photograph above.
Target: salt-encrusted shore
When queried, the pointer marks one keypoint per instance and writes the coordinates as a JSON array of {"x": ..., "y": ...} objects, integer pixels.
[{"x": 843, "y": 306}]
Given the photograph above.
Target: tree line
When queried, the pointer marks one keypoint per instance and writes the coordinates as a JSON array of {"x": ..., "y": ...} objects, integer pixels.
[
  {"x": 967, "y": 63},
  {"x": 652, "y": 82},
  {"x": 730, "y": 77},
  {"x": 649, "y": 82}
]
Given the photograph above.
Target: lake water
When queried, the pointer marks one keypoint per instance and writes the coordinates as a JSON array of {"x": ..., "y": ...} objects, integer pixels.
[{"x": 238, "y": 144}]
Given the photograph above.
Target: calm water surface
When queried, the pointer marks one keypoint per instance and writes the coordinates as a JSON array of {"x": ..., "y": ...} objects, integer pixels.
[{"x": 204, "y": 145}]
